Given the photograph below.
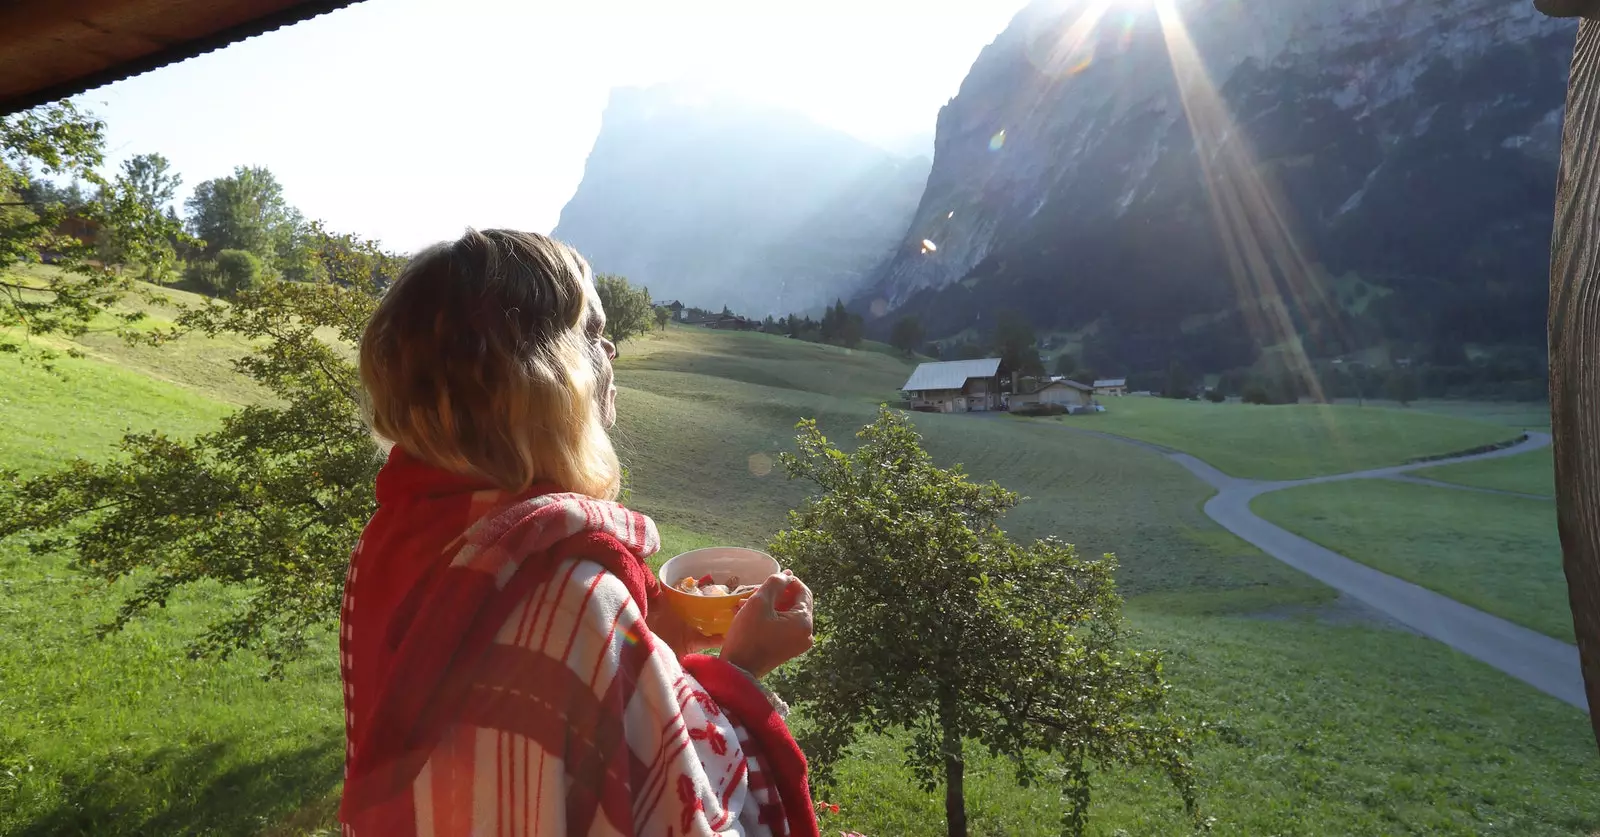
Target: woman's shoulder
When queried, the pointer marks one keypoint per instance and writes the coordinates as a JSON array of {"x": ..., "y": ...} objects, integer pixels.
[{"x": 580, "y": 595}]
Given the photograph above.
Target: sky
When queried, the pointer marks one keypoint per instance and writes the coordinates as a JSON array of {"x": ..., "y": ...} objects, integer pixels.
[{"x": 409, "y": 120}]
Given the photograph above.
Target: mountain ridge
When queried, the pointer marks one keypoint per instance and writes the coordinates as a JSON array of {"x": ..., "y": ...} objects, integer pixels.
[
  {"x": 1408, "y": 150},
  {"x": 717, "y": 201}
]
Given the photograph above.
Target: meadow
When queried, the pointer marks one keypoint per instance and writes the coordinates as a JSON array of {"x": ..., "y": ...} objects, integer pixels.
[
  {"x": 1292, "y": 441},
  {"x": 1496, "y": 553},
  {"x": 1527, "y": 473},
  {"x": 1307, "y": 723}
]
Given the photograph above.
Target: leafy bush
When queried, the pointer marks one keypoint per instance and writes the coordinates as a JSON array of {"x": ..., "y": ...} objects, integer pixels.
[
  {"x": 1215, "y": 396},
  {"x": 237, "y": 271},
  {"x": 232, "y": 272},
  {"x": 1040, "y": 410},
  {"x": 1256, "y": 394},
  {"x": 939, "y": 624}
]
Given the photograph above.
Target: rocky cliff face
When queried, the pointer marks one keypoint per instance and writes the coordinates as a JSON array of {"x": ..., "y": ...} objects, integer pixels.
[
  {"x": 717, "y": 202},
  {"x": 1384, "y": 170}
]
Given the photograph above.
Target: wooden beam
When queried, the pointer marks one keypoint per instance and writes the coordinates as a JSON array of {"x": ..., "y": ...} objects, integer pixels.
[
  {"x": 1574, "y": 333},
  {"x": 1569, "y": 8}
]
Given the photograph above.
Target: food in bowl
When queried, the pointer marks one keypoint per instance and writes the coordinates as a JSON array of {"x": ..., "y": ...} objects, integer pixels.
[
  {"x": 719, "y": 573},
  {"x": 707, "y": 586}
]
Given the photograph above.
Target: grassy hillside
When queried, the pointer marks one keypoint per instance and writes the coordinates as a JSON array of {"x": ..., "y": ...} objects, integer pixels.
[
  {"x": 1290, "y": 441},
  {"x": 1308, "y": 724}
]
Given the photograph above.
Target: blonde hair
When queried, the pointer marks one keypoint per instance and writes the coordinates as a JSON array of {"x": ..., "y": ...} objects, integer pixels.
[{"x": 478, "y": 361}]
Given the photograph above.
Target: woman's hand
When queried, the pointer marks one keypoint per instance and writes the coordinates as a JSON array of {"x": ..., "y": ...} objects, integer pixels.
[
  {"x": 772, "y": 628},
  {"x": 679, "y": 635}
]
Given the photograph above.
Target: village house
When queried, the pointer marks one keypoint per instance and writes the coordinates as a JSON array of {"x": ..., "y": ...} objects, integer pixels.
[
  {"x": 1111, "y": 386},
  {"x": 1063, "y": 393},
  {"x": 956, "y": 386}
]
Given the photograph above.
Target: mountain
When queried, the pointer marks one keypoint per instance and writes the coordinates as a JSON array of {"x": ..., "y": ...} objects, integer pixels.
[
  {"x": 715, "y": 201},
  {"x": 1331, "y": 175}
]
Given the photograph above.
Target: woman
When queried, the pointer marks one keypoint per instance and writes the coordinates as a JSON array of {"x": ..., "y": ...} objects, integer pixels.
[{"x": 508, "y": 665}]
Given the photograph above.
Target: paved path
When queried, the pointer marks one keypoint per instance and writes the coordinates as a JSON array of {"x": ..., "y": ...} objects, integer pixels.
[{"x": 1547, "y": 664}]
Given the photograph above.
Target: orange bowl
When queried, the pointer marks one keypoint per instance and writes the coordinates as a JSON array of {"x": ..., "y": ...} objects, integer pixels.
[{"x": 713, "y": 615}]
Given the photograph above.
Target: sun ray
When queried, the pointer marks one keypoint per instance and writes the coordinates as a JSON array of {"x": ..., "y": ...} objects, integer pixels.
[{"x": 1265, "y": 258}]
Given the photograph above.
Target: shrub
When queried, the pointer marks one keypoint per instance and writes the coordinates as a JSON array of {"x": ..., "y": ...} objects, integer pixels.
[
  {"x": 1215, "y": 396},
  {"x": 1040, "y": 410},
  {"x": 231, "y": 272},
  {"x": 1256, "y": 394}
]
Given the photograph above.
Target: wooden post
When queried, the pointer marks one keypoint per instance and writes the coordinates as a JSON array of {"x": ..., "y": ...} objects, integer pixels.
[{"x": 1574, "y": 333}]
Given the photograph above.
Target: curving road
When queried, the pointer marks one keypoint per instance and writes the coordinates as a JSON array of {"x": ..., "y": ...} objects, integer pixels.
[{"x": 1547, "y": 664}]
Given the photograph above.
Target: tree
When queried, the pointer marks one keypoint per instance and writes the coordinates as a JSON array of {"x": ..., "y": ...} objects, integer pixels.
[
  {"x": 923, "y": 588},
  {"x": 832, "y": 321},
  {"x": 143, "y": 193},
  {"x": 907, "y": 334},
  {"x": 1402, "y": 386},
  {"x": 1018, "y": 347},
  {"x": 1066, "y": 365},
  {"x": 851, "y": 330},
  {"x": 1178, "y": 381},
  {"x": 60, "y": 140},
  {"x": 663, "y": 316},
  {"x": 273, "y": 500},
  {"x": 246, "y": 211},
  {"x": 628, "y": 309}
]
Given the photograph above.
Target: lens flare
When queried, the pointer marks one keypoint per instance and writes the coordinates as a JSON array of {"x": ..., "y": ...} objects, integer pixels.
[
  {"x": 929, "y": 247},
  {"x": 997, "y": 141},
  {"x": 1074, "y": 49}
]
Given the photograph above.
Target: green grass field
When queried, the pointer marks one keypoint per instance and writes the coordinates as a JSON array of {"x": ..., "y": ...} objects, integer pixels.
[
  {"x": 1310, "y": 727},
  {"x": 1523, "y": 415},
  {"x": 1289, "y": 441},
  {"x": 1527, "y": 473},
  {"x": 1499, "y": 554}
]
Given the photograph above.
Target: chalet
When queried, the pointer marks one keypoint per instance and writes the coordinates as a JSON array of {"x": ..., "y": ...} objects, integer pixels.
[
  {"x": 957, "y": 386},
  {"x": 1064, "y": 393},
  {"x": 85, "y": 230},
  {"x": 1111, "y": 386}
]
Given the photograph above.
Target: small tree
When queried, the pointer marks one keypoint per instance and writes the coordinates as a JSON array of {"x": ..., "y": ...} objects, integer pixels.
[
  {"x": 1066, "y": 364},
  {"x": 938, "y": 624},
  {"x": 907, "y": 334},
  {"x": 851, "y": 329},
  {"x": 1178, "y": 381},
  {"x": 663, "y": 316},
  {"x": 628, "y": 309},
  {"x": 1402, "y": 386},
  {"x": 1019, "y": 348}
]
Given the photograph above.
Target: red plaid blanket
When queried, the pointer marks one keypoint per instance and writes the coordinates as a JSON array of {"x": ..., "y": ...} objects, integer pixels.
[{"x": 500, "y": 679}]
